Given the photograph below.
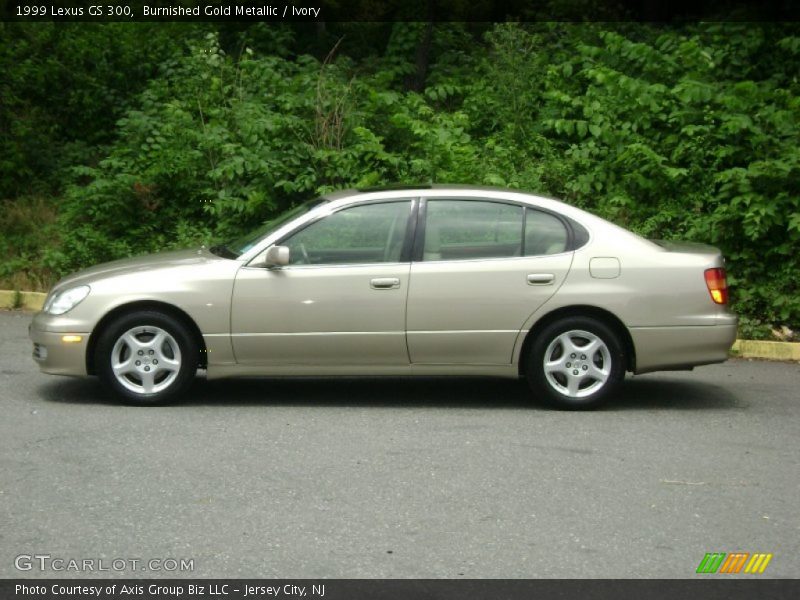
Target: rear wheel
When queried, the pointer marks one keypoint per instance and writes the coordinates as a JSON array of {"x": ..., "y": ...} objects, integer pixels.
[
  {"x": 146, "y": 357},
  {"x": 575, "y": 363}
]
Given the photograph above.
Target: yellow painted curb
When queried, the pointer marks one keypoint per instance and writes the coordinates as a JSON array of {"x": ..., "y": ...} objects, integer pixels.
[
  {"x": 767, "y": 350},
  {"x": 26, "y": 301}
]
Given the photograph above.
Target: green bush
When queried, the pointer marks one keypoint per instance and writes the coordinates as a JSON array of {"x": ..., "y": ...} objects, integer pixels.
[{"x": 675, "y": 132}]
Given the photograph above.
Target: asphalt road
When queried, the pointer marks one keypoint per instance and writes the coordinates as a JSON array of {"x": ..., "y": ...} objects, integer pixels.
[{"x": 440, "y": 478}]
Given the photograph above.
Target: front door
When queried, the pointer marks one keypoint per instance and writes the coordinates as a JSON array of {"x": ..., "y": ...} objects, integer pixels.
[{"x": 340, "y": 301}]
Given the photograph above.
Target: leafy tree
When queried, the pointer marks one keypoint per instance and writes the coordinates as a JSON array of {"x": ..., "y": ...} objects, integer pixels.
[{"x": 686, "y": 131}]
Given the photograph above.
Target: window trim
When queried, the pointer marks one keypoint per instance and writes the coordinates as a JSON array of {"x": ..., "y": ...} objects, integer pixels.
[
  {"x": 422, "y": 214},
  {"x": 408, "y": 239}
]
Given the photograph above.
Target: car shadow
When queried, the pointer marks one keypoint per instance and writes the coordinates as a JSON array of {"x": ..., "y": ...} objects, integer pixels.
[
  {"x": 639, "y": 393},
  {"x": 673, "y": 392}
]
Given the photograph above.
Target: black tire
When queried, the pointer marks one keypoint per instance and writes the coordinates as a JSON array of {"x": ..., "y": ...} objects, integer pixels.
[
  {"x": 592, "y": 391},
  {"x": 148, "y": 322}
]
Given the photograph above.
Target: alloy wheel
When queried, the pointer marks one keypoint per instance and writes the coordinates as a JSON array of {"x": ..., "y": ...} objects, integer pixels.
[
  {"x": 577, "y": 363},
  {"x": 146, "y": 359}
]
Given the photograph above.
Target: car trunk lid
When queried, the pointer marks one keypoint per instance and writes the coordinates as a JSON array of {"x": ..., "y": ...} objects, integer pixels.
[{"x": 689, "y": 248}]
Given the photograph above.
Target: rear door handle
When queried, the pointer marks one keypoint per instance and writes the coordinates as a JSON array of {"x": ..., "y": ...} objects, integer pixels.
[
  {"x": 540, "y": 278},
  {"x": 384, "y": 283}
]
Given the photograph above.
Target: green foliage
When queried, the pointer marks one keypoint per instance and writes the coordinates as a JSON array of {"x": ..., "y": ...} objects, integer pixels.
[
  {"x": 28, "y": 227},
  {"x": 63, "y": 87},
  {"x": 675, "y": 132}
]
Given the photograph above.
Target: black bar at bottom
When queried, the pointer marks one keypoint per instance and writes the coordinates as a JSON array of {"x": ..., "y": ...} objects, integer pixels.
[{"x": 717, "y": 588}]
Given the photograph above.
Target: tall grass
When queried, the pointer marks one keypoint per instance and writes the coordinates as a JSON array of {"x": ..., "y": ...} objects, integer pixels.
[{"x": 27, "y": 234}]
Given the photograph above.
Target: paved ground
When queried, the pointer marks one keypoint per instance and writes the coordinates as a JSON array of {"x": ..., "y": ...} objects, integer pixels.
[{"x": 401, "y": 478}]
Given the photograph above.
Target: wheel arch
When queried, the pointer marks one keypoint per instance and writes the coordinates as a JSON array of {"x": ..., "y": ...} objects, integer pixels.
[
  {"x": 155, "y": 305},
  {"x": 601, "y": 314}
]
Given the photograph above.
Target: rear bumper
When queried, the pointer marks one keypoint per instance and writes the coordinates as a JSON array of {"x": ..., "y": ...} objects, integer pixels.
[
  {"x": 51, "y": 353},
  {"x": 669, "y": 348}
]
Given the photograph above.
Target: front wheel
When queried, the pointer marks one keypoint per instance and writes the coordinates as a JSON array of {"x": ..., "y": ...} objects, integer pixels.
[
  {"x": 146, "y": 357},
  {"x": 575, "y": 363}
]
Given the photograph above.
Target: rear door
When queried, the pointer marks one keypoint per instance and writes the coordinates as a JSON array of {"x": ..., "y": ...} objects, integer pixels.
[{"x": 481, "y": 268}]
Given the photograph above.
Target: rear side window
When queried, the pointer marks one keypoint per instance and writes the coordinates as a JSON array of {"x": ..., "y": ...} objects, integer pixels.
[
  {"x": 544, "y": 233},
  {"x": 470, "y": 229}
]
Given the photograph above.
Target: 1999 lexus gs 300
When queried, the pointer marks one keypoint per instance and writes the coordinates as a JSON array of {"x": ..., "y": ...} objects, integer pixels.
[{"x": 442, "y": 280}]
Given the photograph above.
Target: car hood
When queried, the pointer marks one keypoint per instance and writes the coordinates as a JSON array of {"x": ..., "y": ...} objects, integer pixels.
[{"x": 147, "y": 262}]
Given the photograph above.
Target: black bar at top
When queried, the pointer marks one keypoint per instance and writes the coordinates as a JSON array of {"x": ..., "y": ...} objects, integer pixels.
[{"x": 399, "y": 10}]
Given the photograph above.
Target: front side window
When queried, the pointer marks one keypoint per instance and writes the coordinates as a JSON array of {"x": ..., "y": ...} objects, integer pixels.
[
  {"x": 370, "y": 233},
  {"x": 470, "y": 229}
]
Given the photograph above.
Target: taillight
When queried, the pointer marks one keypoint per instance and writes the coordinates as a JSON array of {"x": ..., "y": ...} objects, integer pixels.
[{"x": 717, "y": 285}]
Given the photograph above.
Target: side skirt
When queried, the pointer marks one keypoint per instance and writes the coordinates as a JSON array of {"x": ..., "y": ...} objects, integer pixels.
[{"x": 218, "y": 371}]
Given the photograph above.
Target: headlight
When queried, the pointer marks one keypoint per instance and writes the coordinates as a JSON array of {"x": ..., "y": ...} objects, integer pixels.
[{"x": 65, "y": 300}]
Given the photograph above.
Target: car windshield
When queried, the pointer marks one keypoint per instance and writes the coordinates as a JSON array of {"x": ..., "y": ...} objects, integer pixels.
[{"x": 240, "y": 245}]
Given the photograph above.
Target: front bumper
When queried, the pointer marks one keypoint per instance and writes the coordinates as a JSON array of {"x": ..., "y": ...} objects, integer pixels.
[
  {"x": 51, "y": 352},
  {"x": 670, "y": 348}
]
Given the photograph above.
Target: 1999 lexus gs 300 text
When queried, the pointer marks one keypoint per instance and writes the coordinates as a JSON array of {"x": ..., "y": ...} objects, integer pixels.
[{"x": 441, "y": 280}]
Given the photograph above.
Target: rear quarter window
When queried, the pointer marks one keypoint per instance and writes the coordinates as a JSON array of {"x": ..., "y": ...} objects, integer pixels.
[{"x": 544, "y": 234}]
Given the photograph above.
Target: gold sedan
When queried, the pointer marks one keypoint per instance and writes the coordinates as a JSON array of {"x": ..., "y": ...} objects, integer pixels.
[{"x": 440, "y": 280}]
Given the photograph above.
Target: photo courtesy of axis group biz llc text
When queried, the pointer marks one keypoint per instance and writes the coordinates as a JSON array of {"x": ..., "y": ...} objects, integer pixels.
[{"x": 171, "y": 590}]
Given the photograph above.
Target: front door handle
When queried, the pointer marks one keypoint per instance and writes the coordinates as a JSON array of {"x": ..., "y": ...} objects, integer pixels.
[
  {"x": 540, "y": 278},
  {"x": 384, "y": 283}
]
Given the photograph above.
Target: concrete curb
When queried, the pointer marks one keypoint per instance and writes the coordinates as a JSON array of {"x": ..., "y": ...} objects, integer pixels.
[
  {"x": 741, "y": 348},
  {"x": 766, "y": 350},
  {"x": 26, "y": 301}
]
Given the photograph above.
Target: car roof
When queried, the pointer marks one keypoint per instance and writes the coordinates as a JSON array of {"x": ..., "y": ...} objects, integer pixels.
[
  {"x": 340, "y": 198},
  {"x": 422, "y": 189}
]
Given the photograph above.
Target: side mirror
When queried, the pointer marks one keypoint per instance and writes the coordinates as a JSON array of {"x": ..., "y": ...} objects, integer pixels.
[{"x": 276, "y": 256}]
